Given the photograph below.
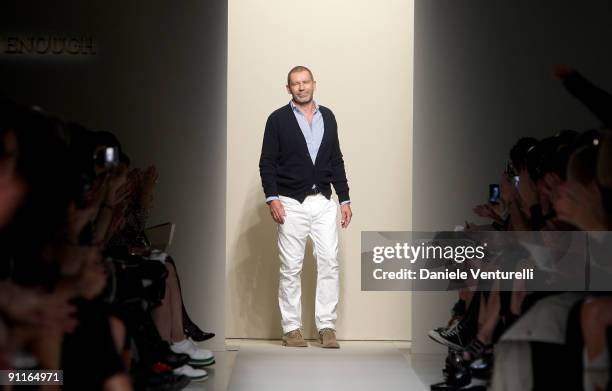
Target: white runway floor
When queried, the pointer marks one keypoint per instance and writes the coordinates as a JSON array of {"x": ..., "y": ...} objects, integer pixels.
[{"x": 358, "y": 365}]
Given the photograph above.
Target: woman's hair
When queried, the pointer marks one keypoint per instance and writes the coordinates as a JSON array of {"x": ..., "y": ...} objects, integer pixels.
[
  {"x": 518, "y": 153},
  {"x": 582, "y": 164}
]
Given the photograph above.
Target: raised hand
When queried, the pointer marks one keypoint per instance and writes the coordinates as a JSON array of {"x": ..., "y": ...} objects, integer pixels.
[
  {"x": 581, "y": 205},
  {"x": 77, "y": 217},
  {"x": 118, "y": 187},
  {"x": 487, "y": 211},
  {"x": 508, "y": 191},
  {"x": 150, "y": 177}
]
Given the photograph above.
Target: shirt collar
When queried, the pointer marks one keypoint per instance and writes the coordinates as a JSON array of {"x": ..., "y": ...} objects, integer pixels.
[{"x": 295, "y": 108}]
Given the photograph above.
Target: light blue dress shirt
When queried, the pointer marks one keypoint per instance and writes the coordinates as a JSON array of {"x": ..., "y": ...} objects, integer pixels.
[{"x": 313, "y": 134}]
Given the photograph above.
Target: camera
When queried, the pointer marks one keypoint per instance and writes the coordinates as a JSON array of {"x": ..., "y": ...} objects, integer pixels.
[
  {"x": 494, "y": 193},
  {"x": 107, "y": 157}
]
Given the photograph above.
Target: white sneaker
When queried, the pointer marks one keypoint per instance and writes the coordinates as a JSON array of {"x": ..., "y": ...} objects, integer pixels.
[
  {"x": 192, "y": 373},
  {"x": 198, "y": 356}
]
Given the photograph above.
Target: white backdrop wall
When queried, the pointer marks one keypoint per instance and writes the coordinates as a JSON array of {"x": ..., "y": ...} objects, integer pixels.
[
  {"x": 361, "y": 55},
  {"x": 158, "y": 81}
]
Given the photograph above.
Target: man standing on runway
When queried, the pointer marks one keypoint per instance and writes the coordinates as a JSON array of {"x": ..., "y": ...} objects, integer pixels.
[{"x": 300, "y": 159}]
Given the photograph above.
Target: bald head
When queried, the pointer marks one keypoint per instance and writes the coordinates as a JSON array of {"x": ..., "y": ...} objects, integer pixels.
[{"x": 299, "y": 68}]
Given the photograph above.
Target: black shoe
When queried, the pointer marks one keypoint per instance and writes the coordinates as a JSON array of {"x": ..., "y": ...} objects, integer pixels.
[
  {"x": 482, "y": 367},
  {"x": 445, "y": 387},
  {"x": 162, "y": 353},
  {"x": 196, "y": 364},
  {"x": 194, "y": 332},
  {"x": 165, "y": 381},
  {"x": 456, "y": 370},
  {"x": 442, "y": 386},
  {"x": 174, "y": 360},
  {"x": 457, "y": 375},
  {"x": 455, "y": 337},
  {"x": 480, "y": 358}
]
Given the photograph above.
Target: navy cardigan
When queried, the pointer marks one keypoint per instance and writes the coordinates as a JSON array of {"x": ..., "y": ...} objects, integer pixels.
[{"x": 285, "y": 165}]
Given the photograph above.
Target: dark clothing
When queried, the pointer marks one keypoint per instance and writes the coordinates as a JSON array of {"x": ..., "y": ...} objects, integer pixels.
[
  {"x": 285, "y": 165},
  {"x": 89, "y": 355},
  {"x": 537, "y": 218},
  {"x": 598, "y": 101},
  {"x": 133, "y": 233}
]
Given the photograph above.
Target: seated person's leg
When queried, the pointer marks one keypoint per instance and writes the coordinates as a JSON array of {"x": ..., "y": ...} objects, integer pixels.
[
  {"x": 169, "y": 321},
  {"x": 162, "y": 315},
  {"x": 190, "y": 328}
]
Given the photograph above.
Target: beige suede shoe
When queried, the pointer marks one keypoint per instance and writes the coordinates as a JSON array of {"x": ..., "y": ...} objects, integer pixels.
[
  {"x": 294, "y": 339},
  {"x": 327, "y": 338}
]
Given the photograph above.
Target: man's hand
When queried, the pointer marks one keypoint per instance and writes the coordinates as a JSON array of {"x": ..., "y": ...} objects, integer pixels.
[
  {"x": 347, "y": 214},
  {"x": 277, "y": 211}
]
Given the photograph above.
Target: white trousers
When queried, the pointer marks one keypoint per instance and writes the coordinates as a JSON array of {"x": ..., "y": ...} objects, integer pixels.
[{"x": 316, "y": 218}]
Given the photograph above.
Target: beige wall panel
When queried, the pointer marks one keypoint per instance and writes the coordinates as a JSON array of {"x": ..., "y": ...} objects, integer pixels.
[{"x": 361, "y": 55}]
